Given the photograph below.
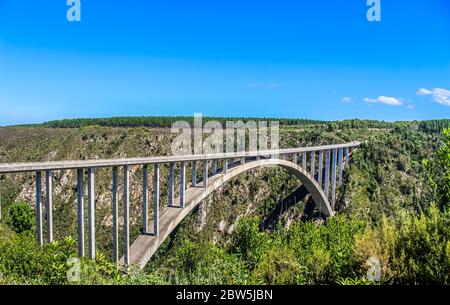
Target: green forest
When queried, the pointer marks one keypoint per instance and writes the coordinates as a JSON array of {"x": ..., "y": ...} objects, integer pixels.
[{"x": 393, "y": 210}]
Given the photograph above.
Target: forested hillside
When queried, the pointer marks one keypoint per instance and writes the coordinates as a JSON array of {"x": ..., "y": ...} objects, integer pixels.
[{"x": 393, "y": 207}]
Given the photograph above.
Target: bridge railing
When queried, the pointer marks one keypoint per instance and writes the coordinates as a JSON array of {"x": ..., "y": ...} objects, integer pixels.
[{"x": 327, "y": 174}]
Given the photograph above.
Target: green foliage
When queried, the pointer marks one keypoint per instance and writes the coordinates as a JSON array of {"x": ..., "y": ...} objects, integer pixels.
[
  {"x": 161, "y": 121},
  {"x": 248, "y": 240},
  {"x": 434, "y": 126},
  {"x": 439, "y": 172},
  {"x": 359, "y": 281},
  {"x": 22, "y": 217},
  {"x": 386, "y": 211},
  {"x": 326, "y": 250},
  {"x": 279, "y": 266},
  {"x": 22, "y": 261},
  {"x": 414, "y": 249}
]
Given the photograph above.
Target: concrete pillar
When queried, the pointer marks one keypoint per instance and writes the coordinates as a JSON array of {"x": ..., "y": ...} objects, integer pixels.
[
  {"x": 327, "y": 174},
  {"x": 126, "y": 214},
  {"x": 225, "y": 166},
  {"x": 205, "y": 173},
  {"x": 115, "y": 208},
  {"x": 294, "y": 158},
  {"x": 242, "y": 161},
  {"x": 91, "y": 211},
  {"x": 320, "y": 169},
  {"x": 340, "y": 161},
  {"x": 194, "y": 173},
  {"x": 39, "y": 235},
  {"x": 145, "y": 199},
  {"x": 156, "y": 201},
  {"x": 333, "y": 179},
  {"x": 49, "y": 201},
  {"x": 304, "y": 162},
  {"x": 313, "y": 161},
  {"x": 171, "y": 184},
  {"x": 346, "y": 155},
  {"x": 214, "y": 167},
  {"x": 182, "y": 184},
  {"x": 80, "y": 203}
]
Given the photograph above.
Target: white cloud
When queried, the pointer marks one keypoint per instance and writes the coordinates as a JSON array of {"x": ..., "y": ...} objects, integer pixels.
[
  {"x": 251, "y": 85},
  {"x": 440, "y": 96},
  {"x": 391, "y": 101},
  {"x": 347, "y": 100},
  {"x": 272, "y": 86},
  {"x": 410, "y": 107}
]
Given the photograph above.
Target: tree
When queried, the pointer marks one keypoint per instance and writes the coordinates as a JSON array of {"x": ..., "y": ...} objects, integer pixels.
[{"x": 439, "y": 172}]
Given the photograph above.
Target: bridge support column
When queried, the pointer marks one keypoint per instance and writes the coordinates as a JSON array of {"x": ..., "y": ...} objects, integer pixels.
[
  {"x": 145, "y": 199},
  {"x": 194, "y": 173},
  {"x": 304, "y": 161},
  {"x": 294, "y": 158},
  {"x": 49, "y": 201},
  {"x": 225, "y": 166},
  {"x": 126, "y": 214},
  {"x": 115, "y": 208},
  {"x": 327, "y": 175},
  {"x": 346, "y": 156},
  {"x": 171, "y": 184},
  {"x": 313, "y": 161},
  {"x": 156, "y": 201},
  {"x": 80, "y": 203},
  {"x": 333, "y": 179},
  {"x": 205, "y": 173},
  {"x": 91, "y": 211},
  {"x": 182, "y": 184},
  {"x": 39, "y": 235},
  {"x": 242, "y": 161},
  {"x": 320, "y": 170},
  {"x": 214, "y": 167},
  {"x": 340, "y": 161}
]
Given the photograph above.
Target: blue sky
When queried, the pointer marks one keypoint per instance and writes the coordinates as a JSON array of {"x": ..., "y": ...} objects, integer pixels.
[{"x": 277, "y": 58}]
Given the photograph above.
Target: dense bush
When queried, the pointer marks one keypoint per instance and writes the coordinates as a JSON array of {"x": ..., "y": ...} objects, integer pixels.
[
  {"x": 414, "y": 249},
  {"x": 439, "y": 172},
  {"x": 22, "y": 261},
  {"x": 22, "y": 217}
]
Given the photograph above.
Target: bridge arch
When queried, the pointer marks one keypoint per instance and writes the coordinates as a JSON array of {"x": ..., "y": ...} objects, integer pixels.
[{"x": 145, "y": 246}]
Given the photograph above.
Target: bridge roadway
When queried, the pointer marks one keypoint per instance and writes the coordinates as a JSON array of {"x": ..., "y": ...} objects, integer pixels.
[{"x": 320, "y": 176}]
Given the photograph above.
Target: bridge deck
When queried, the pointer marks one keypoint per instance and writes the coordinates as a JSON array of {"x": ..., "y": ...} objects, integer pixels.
[{"x": 70, "y": 164}]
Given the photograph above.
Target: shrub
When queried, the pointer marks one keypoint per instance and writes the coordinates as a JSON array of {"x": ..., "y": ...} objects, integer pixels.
[
  {"x": 279, "y": 266},
  {"x": 22, "y": 218},
  {"x": 248, "y": 240},
  {"x": 412, "y": 250},
  {"x": 438, "y": 169}
]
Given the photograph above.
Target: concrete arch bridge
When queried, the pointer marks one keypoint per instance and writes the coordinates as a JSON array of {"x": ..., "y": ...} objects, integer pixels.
[{"x": 319, "y": 169}]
